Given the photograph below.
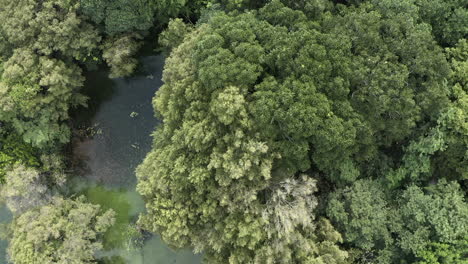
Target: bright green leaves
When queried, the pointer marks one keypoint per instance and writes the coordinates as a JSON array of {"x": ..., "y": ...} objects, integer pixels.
[
  {"x": 214, "y": 179},
  {"x": 436, "y": 216},
  {"x": 50, "y": 27},
  {"x": 39, "y": 82},
  {"x": 361, "y": 213},
  {"x": 36, "y": 95},
  {"x": 229, "y": 105},
  {"x": 65, "y": 231},
  {"x": 437, "y": 253}
]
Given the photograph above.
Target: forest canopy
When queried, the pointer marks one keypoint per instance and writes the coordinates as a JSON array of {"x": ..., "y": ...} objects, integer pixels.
[
  {"x": 312, "y": 131},
  {"x": 361, "y": 102}
]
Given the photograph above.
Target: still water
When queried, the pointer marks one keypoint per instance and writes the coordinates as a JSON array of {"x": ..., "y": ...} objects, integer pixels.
[{"x": 120, "y": 119}]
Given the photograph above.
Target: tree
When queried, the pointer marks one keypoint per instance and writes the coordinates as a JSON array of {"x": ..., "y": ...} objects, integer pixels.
[
  {"x": 137, "y": 16},
  {"x": 447, "y": 18},
  {"x": 437, "y": 253},
  {"x": 40, "y": 80},
  {"x": 13, "y": 151},
  {"x": 124, "y": 23},
  {"x": 24, "y": 189},
  {"x": 64, "y": 231},
  {"x": 122, "y": 16},
  {"x": 174, "y": 35},
  {"x": 441, "y": 151},
  {"x": 363, "y": 215},
  {"x": 289, "y": 209},
  {"x": 251, "y": 100},
  {"x": 437, "y": 215},
  {"x": 119, "y": 54},
  {"x": 36, "y": 95},
  {"x": 237, "y": 4}
]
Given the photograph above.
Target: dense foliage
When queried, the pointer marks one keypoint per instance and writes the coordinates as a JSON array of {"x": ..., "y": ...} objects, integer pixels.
[
  {"x": 313, "y": 131},
  {"x": 65, "y": 231},
  {"x": 44, "y": 43},
  {"x": 259, "y": 104},
  {"x": 39, "y": 80}
]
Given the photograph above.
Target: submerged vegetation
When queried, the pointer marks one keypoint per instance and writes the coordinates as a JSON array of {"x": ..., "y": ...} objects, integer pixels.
[{"x": 313, "y": 131}]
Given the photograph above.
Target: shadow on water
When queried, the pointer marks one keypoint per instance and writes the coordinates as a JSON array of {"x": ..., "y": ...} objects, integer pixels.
[
  {"x": 119, "y": 122},
  {"x": 98, "y": 87}
]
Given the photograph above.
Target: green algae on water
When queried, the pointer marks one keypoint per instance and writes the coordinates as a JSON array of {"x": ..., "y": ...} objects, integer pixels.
[{"x": 123, "y": 234}]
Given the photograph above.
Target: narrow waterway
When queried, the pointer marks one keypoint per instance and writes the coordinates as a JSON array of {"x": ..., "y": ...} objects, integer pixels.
[{"x": 120, "y": 117}]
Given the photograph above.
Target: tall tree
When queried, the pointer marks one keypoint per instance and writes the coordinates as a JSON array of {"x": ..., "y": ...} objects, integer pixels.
[
  {"x": 364, "y": 215},
  {"x": 39, "y": 80},
  {"x": 24, "y": 189},
  {"x": 252, "y": 100},
  {"x": 435, "y": 215},
  {"x": 448, "y": 19},
  {"x": 64, "y": 231},
  {"x": 13, "y": 151}
]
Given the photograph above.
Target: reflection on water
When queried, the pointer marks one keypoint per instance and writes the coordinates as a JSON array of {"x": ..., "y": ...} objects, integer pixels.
[{"x": 121, "y": 119}]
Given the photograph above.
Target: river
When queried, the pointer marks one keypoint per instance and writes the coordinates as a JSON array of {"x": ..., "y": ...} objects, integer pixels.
[{"x": 120, "y": 119}]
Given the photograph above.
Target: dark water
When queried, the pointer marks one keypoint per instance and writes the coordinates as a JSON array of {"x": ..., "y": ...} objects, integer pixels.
[
  {"x": 120, "y": 116},
  {"x": 122, "y": 120}
]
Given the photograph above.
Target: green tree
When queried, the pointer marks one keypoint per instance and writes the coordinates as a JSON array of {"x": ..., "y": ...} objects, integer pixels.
[
  {"x": 447, "y": 18},
  {"x": 363, "y": 215},
  {"x": 237, "y": 4},
  {"x": 119, "y": 54},
  {"x": 138, "y": 16},
  {"x": 441, "y": 151},
  {"x": 64, "y": 231},
  {"x": 40, "y": 80},
  {"x": 24, "y": 189},
  {"x": 437, "y": 215},
  {"x": 174, "y": 35},
  {"x": 13, "y": 151},
  {"x": 253, "y": 100},
  {"x": 49, "y": 28},
  {"x": 439, "y": 253},
  {"x": 121, "y": 16}
]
